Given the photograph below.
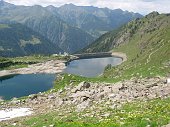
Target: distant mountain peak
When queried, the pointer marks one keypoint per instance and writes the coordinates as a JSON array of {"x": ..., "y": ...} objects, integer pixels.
[
  {"x": 5, "y": 4},
  {"x": 1, "y": 2},
  {"x": 69, "y": 5},
  {"x": 37, "y": 6},
  {"x": 154, "y": 13},
  {"x": 51, "y": 6}
]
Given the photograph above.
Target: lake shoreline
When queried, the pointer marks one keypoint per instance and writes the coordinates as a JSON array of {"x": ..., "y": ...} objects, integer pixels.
[
  {"x": 48, "y": 67},
  {"x": 121, "y": 55},
  {"x": 52, "y": 66}
]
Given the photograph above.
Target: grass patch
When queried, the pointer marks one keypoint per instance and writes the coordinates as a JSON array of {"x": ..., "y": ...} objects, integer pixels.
[{"x": 137, "y": 114}]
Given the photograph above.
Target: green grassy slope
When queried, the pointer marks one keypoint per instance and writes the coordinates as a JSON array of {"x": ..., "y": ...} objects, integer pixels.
[
  {"x": 146, "y": 42},
  {"x": 152, "y": 113}
]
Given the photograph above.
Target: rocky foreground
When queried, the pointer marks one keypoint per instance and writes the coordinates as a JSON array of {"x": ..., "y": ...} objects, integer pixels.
[{"x": 93, "y": 96}]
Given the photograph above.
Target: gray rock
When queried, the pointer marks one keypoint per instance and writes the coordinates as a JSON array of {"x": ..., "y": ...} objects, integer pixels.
[
  {"x": 83, "y": 105},
  {"x": 74, "y": 90},
  {"x": 112, "y": 95},
  {"x": 80, "y": 94},
  {"x": 86, "y": 85},
  {"x": 151, "y": 85},
  {"x": 107, "y": 89},
  {"x": 168, "y": 81},
  {"x": 15, "y": 101},
  {"x": 81, "y": 86},
  {"x": 60, "y": 91},
  {"x": 105, "y": 115},
  {"x": 84, "y": 98},
  {"x": 33, "y": 96},
  {"x": 100, "y": 96},
  {"x": 58, "y": 101},
  {"x": 124, "y": 87},
  {"x": 51, "y": 97},
  {"x": 1, "y": 99}
]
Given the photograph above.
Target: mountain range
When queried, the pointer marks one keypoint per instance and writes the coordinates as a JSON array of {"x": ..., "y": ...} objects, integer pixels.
[
  {"x": 69, "y": 27},
  {"x": 19, "y": 40},
  {"x": 93, "y": 20}
]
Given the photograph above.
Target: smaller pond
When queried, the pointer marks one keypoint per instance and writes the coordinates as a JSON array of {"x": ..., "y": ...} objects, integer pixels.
[
  {"x": 91, "y": 67},
  {"x": 24, "y": 85}
]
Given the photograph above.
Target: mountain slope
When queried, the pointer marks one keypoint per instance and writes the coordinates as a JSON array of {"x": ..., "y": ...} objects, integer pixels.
[
  {"x": 18, "y": 40},
  {"x": 93, "y": 20},
  {"x": 47, "y": 24},
  {"x": 146, "y": 43}
]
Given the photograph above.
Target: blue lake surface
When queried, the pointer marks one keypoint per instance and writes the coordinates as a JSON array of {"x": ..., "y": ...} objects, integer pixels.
[
  {"x": 91, "y": 67},
  {"x": 24, "y": 85}
]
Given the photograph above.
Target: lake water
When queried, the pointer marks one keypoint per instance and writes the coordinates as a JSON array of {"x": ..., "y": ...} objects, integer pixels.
[
  {"x": 91, "y": 67},
  {"x": 24, "y": 85}
]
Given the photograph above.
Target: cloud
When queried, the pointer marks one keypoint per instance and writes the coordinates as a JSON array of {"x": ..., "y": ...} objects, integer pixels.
[{"x": 141, "y": 6}]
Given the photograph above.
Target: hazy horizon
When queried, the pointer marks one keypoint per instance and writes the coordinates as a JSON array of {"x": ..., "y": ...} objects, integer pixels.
[{"x": 138, "y": 6}]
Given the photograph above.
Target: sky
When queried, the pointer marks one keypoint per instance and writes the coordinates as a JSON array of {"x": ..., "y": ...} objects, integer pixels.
[{"x": 141, "y": 6}]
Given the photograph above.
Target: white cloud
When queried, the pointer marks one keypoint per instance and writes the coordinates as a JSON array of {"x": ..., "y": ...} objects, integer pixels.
[{"x": 141, "y": 6}]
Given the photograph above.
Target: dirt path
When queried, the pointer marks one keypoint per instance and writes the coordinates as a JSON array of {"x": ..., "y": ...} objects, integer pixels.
[
  {"x": 121, "y": 55},
  {"x": 149, "y": 58}
]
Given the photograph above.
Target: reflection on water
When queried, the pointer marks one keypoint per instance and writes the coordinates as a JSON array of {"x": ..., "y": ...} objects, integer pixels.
[
  {"x": 23, "y": 85},
  {"x": 91, "y": 67},
  {"x": 7, "y": 77}
]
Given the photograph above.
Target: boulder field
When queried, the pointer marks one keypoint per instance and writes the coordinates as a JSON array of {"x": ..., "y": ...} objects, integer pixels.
[{"x": 93, "y": 96}]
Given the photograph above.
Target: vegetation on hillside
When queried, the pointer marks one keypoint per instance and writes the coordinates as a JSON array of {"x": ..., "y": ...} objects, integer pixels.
[
  {"x": 46, "y": 23},
  {"x": 146, "y": 43},
  {"x": 19, "y": 40},
  {"x": 152, "y": 113},
  {"x": 93, "y": 20}
]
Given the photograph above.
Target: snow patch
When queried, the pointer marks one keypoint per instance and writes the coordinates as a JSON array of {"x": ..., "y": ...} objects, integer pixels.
[
  {"x": 14, "y": 112},
  {"x": 168, "y": 80}
]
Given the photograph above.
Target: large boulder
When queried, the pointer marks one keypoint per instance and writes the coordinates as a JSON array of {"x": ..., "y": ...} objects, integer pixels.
[
  {"x": 83, "y": 105},
  {"x": 83, "y": 85},
  {"x": 1, "y": 99},
  {"x": 80, "y": 96},
  {"x": 15, "y": 101}
]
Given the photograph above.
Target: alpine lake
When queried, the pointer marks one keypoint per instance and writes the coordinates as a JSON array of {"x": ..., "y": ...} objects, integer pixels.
[{"x": 23, "y": 85}]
